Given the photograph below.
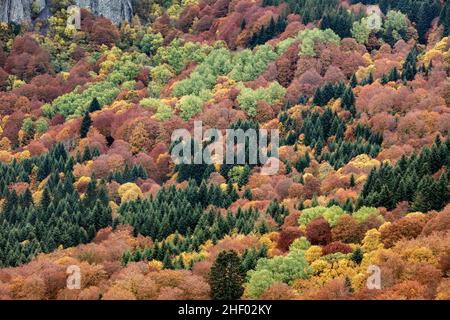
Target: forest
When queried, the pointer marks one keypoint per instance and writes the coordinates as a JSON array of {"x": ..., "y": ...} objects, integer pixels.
[{"x": 362, "y": 108}]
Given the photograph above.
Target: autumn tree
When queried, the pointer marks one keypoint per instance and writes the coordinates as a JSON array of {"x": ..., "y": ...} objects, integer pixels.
[
  {"x": 27, "y": 58},
  {"x": 346, "y": 230},
  {"x": 103, "y": 32},
  {"x": 139, "y": 138},
  {"x": 318, "y": 232}
]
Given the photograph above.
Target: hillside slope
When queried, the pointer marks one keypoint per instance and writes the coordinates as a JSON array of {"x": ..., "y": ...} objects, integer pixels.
[{"x": 361, "y": 104}]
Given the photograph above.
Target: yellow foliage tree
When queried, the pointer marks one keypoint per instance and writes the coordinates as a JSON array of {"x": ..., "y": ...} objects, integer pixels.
[
  {"x": 5, "y": 156},
  {"x": 155, "y": 265},
  {"x": 5, "y": 144},
  {"x": 372, "y": 241},
  {"x": 129, "y": 192},
  {"x": 420, "y": 255},
  {"x": 313, "y": 253},
  {"x": 139, "y": 138}
]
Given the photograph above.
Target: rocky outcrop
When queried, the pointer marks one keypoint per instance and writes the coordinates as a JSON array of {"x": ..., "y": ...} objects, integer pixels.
[
  {"x": 15, "y": 10},
  {"x": 23, "y": 10},
  {"x": 115, "y": 10}
]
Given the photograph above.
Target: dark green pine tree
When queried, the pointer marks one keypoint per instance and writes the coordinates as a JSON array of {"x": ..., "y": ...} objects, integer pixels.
[
  {"x": 354, "y": 81},
  {"x": 348, "y": 284},
  {"x": 357, "y": 255},
  {"x": 46, "y": 200},
  {"x": 348, "y": 100},
  {"x": 225, "y": 278},
  {"x": 385, "y": 198},
  {"x": 423, "y": 200},
  {"x": 86, "y": 154},
  {"x": 263, "y": 228},
  {"x": 441, "y": 193},
  {"x": 272, "y": 28},
  {"x": 27, "y": 198},
  {"x": 85, "y": 125},
  {"x": 318, "y": 98},
  {"x": 94, "y": 106},
  {"x": 243, "y": 179},
  {"x": 370, "y": 78},
  {"x": 444, "y": 19},
  {"x": 243, "y": 24},
  {"x": 248, "y": 194},
  {"x": 394, "y": 75},
  {"x": 167, "y": 262},
  {"x": 348, "y": 206},
  {"x": 423, "y": 21},
  {"x": 352, "y": 181}
]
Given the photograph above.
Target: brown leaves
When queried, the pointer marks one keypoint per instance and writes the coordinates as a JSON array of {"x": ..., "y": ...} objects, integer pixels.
[{"x": 27, "y": 59}]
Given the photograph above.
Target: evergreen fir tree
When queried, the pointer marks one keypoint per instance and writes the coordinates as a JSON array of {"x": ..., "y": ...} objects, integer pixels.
[
  {"x": 352, "y": 181},
  {"x": 94, "y": 106},
  {"x": 85, "y": 125},
  {"x": 248, "y": 194},
  {"x": 357, "y": 255},
  {"x": 225, "y": 278},
  {"x": 370, "y": 78},
  {"x": 353, "y": 81},
  {"x": 393, "y": 75}
]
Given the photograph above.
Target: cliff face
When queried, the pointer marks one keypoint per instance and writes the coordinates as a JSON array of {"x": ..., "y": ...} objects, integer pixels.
[
  {"x": 15, "y": 10},
  {"x": 21, "y": 10},
  {"x": 115, "y": 10}
]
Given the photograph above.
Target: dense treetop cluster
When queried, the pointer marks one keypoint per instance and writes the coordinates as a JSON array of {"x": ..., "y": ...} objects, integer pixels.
[{"x": 86, "y": 176}]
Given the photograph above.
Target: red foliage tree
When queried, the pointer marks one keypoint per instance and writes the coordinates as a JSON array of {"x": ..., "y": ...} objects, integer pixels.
[
  {"x": 12, "y": 127},
  {"x": 335, "y": 247},
  {"x": 311, "y": 187},
  {"x": 318, "y": 232},
  {"x": 346, "y": 230},
  {"x": 279, "y": 291},
  {"x": 220, "y": 8},
  {"x": 27, "y": 59},
  {"x": 287, "y": 236},
  {"x": 286, "y": 65},
  {"x": 187, "y": 18},
  {"x": 405, "y": 228},
  {"x": 440, "y": 222},
  {"x": 103, "y": 32},
  {"x": 204, "y": 23},
  {"x": 3, "y": 79}
]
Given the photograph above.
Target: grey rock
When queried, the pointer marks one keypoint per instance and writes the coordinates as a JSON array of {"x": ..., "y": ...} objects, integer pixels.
[
  {"x": 115, "y": 10},
  {"x": 15, "y": 10},
  {"x": 41, "y": 5},
  {"x": 21, "y": 10}
]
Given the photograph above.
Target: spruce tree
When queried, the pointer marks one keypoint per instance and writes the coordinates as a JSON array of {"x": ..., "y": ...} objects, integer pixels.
[
  {"x": 393, "y": 75},
  {"x": 94, "y": 106},
  {"x": 370, "y": 78},
  {"x": 348, "y": 100},
  {"x": 352, "y": 181},
  {"x": 353, "y": 81},
  {"x": 225, "y": 278},
  {"x": 424, "y": 197},
  {"x": 243, "y": 24},
  {"x": 357, "y": 255},
  {"x": 444, "y": 18},
  {"x": 85, "y": 125},
  {"x": 248, "y": 194}
]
